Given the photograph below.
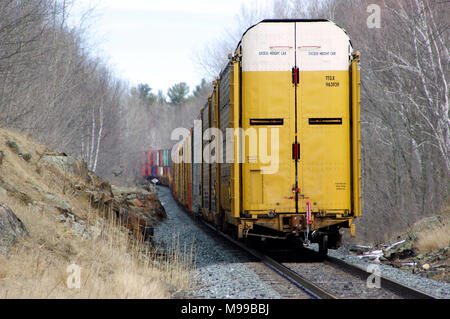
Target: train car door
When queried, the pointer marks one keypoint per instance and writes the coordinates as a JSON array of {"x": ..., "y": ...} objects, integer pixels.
[
  {"x": 322, "y": 56},
  {"x": 268, "y": 108}
]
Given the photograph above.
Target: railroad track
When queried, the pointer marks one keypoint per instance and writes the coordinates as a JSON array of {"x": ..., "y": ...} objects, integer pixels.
[
  {"x": 385, "y": 283},
  {"x": 304, "y": 284},
  {"x": 293, "y": 273}
]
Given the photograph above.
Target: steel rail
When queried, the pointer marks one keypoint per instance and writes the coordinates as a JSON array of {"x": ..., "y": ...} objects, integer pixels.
[
  {"x": 386, "y": 283},
  {"x": 299, "y": 281}
]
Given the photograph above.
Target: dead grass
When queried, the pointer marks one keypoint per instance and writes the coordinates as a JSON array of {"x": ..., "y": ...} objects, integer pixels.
[
  {"x": 435, "y": 238},
  {"x": 112, "y": 265}
]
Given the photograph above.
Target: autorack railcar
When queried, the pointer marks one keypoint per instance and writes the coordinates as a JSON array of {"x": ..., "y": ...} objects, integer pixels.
[{"x": 291, "y": 166}]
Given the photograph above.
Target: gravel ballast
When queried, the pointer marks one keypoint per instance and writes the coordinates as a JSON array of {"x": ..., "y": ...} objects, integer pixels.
[{"x": 219, "y": 273}]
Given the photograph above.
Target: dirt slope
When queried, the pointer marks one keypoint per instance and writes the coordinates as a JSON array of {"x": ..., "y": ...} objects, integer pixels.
[{"x": 72, "y": 216}]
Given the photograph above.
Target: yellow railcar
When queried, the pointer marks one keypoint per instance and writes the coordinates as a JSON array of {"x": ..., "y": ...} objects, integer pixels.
[{"x": 291, "y": 165}]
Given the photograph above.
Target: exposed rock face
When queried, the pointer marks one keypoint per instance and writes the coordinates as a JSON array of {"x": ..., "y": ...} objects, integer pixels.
[
  {"x": 14, "y": 147},
  {"x": 77, "y": 167},
  {"x": 63, "y": 161},
  {"x": 28, "y": 156},
  {"x": 56, "y": 184},
  {"x": 12, "y": 191},
  {"x": 78, "y": 225},
  {"x": 11, "y": 228},
  {"x": 18, "y": 150},
  {"x": 135, "y": 208},
  {"x": 59, "y": 203}
]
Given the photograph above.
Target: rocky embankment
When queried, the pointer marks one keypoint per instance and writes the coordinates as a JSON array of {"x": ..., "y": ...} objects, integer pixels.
[
  {"x": 11, "y": 228},
  {"x": 33, "y": 177}
]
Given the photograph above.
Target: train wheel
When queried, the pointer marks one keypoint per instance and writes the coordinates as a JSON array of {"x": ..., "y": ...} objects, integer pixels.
[{"x": 323, "y": 246}]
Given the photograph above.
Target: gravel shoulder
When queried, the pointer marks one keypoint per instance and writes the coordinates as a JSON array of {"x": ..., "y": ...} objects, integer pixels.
[{"x": 218, "y": 272}]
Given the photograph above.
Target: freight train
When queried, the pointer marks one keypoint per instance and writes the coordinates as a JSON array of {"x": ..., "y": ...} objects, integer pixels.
[
  {"x": 275, "y": 150},
  {"x": 157, "y": 166}
]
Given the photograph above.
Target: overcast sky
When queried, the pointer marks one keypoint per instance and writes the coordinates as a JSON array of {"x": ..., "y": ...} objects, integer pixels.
[{"x": 155, "y": 41}]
